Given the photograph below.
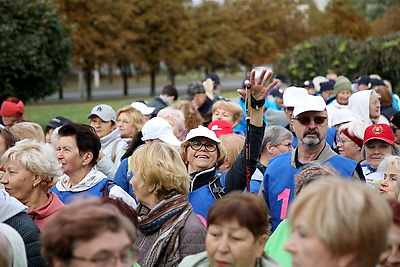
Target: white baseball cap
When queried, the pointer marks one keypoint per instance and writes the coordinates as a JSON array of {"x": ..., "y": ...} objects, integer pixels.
[
  {"x": 104, "y": 112},
  {"x": 309, "y": 103},
  {"x": 159, "y": 128},
  {"x": 143, "y": 108},
  {"x": 202, "y": 131},
  {"x": 292, "y": 95}
]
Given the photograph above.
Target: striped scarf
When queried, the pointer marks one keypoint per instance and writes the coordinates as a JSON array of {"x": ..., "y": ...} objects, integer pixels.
[{"x": 167, "y": 218}]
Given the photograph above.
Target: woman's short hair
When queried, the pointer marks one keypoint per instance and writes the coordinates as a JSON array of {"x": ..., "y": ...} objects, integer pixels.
[
  {"x": 192, "y": 115},
  {"x": 233, "y": 144},
  {"x": 248, "y": 209},
  {"x": 82, "y": 221},
  {"x": 386, "y": 98},
  {"x": 275, "y": 135},
  {"x": 232, "y": 107},
  {"x": 9, "y": 138},
  {"x": 136, "y": 117},
  {"x": 349, "y": 217},
  {"x": 175, "y": 115},
  {"x": 36, "y": 157},
  {"x": 221, "y": 153},
  {"x": 311, "y": 172},
  {"x": 28, "y": 130},
  {"x": 85, "y": 137},
  {"x": 161, "y": 166},
  {"x": 389, "y": 161}
]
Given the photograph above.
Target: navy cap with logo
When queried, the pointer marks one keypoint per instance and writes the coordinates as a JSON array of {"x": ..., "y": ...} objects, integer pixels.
[{"x": 58, "y": 122}]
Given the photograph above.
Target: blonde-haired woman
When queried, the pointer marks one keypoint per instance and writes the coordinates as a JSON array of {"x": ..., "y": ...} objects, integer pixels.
[
  {"x": 31, "y": 169},
  {"x": 338, "y": 222},
  {"x": 169, "y": 230},
  {"x": 129, "y": 122}
]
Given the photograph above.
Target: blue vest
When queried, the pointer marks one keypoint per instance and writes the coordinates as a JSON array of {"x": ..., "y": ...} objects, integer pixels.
[
  {"x": 202, "y": 198},
  {"x": 69, "y": 196},
  {"x": 279, "y": 182},
  {"x": 123, "y": 175}
]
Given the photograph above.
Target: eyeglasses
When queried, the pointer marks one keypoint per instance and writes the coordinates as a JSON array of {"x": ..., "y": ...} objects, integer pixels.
[
  {"x": 196, "y": 145},
  {"x": 307, "y": 120},
  {"x": 341, "y": 141},
  {"x": 127, "y": 259}
]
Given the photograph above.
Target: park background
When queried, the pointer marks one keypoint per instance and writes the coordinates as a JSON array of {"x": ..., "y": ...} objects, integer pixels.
[{"x": 121, "y": 50}]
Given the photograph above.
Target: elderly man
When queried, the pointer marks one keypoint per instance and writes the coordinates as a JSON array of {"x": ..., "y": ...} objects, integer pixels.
[{"x": 310, "y": 124}]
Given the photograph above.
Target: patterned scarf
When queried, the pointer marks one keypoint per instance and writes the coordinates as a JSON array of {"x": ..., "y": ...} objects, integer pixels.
[{"x": 167, "y": 218}]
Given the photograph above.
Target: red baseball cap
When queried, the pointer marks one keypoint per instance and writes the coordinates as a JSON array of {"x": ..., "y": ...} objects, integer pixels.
[
  {"x": 220, "y": 127},
  {"x": 380, "y": 131}
]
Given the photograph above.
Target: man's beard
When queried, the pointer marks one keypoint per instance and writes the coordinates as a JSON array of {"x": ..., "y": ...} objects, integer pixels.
[{"x": 309, "y": 141}]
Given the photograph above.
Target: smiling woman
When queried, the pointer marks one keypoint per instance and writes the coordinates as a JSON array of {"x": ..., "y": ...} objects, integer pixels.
[{"x": 236, "y": 235}]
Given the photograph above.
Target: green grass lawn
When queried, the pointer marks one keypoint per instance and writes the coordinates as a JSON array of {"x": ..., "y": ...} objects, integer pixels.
[{"x": 78, "y": 111}]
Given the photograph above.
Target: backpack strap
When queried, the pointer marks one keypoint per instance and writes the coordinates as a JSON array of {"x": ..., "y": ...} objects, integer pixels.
[
  {"x": 114, "y": 150},
  {"x": 106, "y": 190},
  {"x": 216, "y": 187}
]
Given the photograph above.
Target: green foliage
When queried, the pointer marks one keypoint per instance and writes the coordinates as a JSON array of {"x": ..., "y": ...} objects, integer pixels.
[
  {"x": 34, "y": 49},
  {"x": 381, "y": 55},
  {"x": 319, "y": 56}
]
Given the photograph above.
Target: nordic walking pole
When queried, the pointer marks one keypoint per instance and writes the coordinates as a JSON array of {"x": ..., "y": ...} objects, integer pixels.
[{"x": 247, "y": 101}]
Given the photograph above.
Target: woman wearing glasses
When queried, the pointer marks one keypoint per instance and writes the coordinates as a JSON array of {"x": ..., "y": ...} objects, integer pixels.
[
  {"x": 89, "y": 233},
  {"x": 350, "y": 140},
  {"x": 203, "y": 154}
]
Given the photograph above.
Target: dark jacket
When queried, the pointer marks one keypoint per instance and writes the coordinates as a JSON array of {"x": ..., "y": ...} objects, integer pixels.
[
  {"x": 30, "y": 233},
  {"x": 158, "y": 103}
]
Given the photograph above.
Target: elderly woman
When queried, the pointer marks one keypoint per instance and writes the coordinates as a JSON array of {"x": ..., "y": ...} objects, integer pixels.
[
  {"x": 176, "y": 118},
  {"x": 236, "y": 234},
  {"x": 203, "y": 154},
  {"x": 228, "y": 111},
  {"x": 129, "y": 122},
  {"x": 169, "y": 230},
  {"x": 391, "y": 256},
  {"x": 325, "y": 220},
  {"x": 366, "y": 106},
  {"x": 276, "y": 140},
  {"x": 31, "y": 169},
  {"x": 103, "y": 120},
  {"x": 379, "y": 142},
  {"x": 77, "y": 150},
  {"x": 11, "y": 111},
  {"x": 89, "y": 233},
  {"x": 350, "y": 138},
  {"x": 390, "y": 186}
]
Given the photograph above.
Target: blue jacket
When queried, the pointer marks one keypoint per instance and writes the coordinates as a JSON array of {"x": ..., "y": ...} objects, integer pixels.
[{"x": 279, "y": 179}]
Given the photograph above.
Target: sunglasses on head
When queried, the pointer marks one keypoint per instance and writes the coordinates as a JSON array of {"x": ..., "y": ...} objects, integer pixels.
[{"x": 306, "y": 120}]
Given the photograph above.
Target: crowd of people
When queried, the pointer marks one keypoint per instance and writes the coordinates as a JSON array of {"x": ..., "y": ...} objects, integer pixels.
[{"x": 288, "y": 175}]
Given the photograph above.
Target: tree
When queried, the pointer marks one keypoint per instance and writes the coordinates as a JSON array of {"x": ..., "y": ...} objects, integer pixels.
[
  {"x": 34, "y": 49},
  {"x": 99, "y": 32},
  {"x": 389, "y": 22},
  {"x": 344, "y": 20},
  {"x": 163, "y": 36},
  {"x": 381, "y": 55},
  {"x": 319, "y": 56}
]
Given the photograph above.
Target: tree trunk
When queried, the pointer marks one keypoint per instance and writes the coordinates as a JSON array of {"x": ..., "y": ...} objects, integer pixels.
[
  {"x": 110, "y": 73},
  {"x": 88, "y": 79},
  {"x": 60, "y": 93},
  {"x": 153, "y": 83},
  {"x": 171, "y": 76},
  {"x": 125, "y": 76}
]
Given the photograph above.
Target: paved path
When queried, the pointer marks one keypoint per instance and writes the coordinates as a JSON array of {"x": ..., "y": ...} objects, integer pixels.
[{"x": 133, "y": 92}]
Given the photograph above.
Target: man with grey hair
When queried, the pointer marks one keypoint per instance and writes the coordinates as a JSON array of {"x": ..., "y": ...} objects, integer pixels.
[
  {"x": 277, "y": 140},
  {"x": 310, "y": 124}
]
